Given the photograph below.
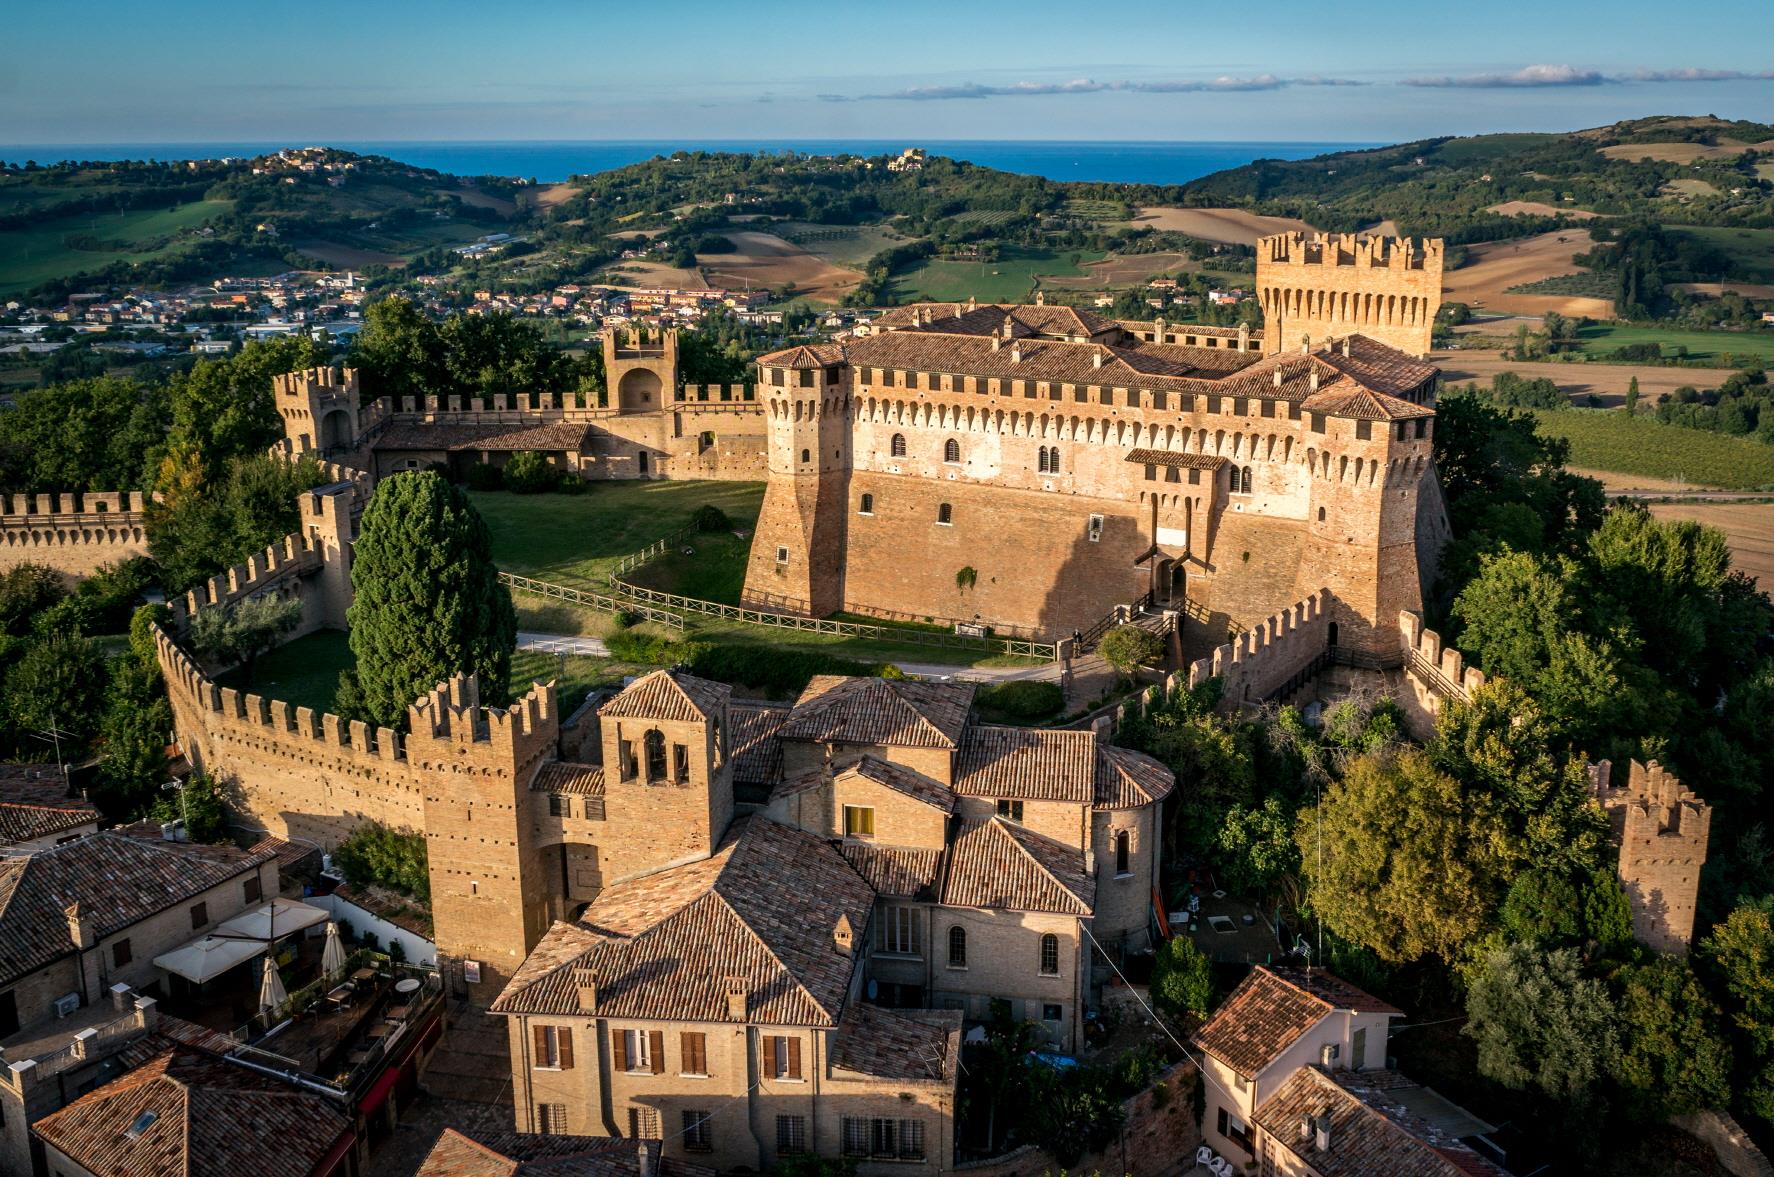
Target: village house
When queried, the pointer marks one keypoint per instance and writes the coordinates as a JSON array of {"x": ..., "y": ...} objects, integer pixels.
[{"x": 36, "y": 811}]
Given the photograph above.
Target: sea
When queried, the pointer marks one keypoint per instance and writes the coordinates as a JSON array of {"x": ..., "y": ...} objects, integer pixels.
[{"x": 550, "y": 161}]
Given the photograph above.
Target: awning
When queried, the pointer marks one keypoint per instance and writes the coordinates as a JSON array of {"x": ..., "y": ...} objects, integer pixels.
[
  {"x": 278, "y": 918},
  {"x": 208, "y": 957},
  {"x": 377, "y": 1095}
]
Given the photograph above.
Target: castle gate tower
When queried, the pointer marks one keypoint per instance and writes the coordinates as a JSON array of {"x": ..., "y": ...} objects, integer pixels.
[
  {"x": 320, "y": 410},
  {"x": 640, "y": 369},
  {"x": 1328, "y": 285},
  {"x": 797, "y": 554}
]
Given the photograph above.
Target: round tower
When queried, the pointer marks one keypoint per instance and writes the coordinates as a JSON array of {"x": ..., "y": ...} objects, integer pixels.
[{"x": 797, "y": 552}]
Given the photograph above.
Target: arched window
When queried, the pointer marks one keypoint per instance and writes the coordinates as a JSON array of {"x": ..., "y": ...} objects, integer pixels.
[
  {"x": 1050, "y": 955},
  {"x": 957, "y": 947},
  {"x": 868, "y": 505},
  {"x": 1122, "y": 853},
  {"x": 1241, "y": 480},
  {"x": 945, "y": 514},
  {"x": 1041, "y": 460},
  {"x": 1321, "y": 514},
  {"x": 951, "y": 450},
  {"x": 806, "y": 455},
  {"x": 899, "y": 445},
  {"x": 1053, "y": 460},
  {"x": 653, "y": 745}
]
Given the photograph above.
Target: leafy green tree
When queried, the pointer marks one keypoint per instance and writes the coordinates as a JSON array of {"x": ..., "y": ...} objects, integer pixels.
[
  {"x": 1198, "y": 745},
  {"x": 1260, "y": 855},
  {"x": 1128, "y": 647},
  {"x": 58, "y": 682},
  {"x": 90, "y": 434},
  {"x": 1071, "y": 1112},
  {"x": 240, "y": 632},
  {"x": 1673, "y": 1057},
  {"x": 225, "y": 409},
  {"x": 1182, "y": 978},
  {"x": 1401, "y": 860},
  {"x": 398, "y": 352},
  {"x": 428, "y": 602},
  {"x": 1631, "y": 404},
  {"x": 1739, "y": 954},
  {"x": 528, "y": 473},
  {"x": 134, "y": 731},
  {"x": 201, "y": 526},
  {"x": 141, "y": 633},
  {"x": 198, "y": 803},
  {"x": 27, "y": 590},
  {"x": 378, "y": 855},
  {"x": 1539, "y": 1022}
]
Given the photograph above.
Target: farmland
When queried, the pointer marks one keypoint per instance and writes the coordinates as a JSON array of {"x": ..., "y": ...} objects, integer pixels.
[
  {"x": 1751, "y": 250},
  {"x": 1712, "y": 346},
  {"x": 1603, "y": 439},
  {"x": 1008, "y": 279},
  {"x": 66, "y": 246}
]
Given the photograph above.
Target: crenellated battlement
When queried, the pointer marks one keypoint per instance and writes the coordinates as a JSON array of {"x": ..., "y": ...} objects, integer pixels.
[
  {"x": 1435, "y": 665},
  {"x": 1661, "y": 829},
  {"x": 314, "y": 383},
  {"x": 450, "y": 721},
  {"x": 273, "y": 570},
  {"x": 95, "y": 505},
  {"x": 75, "y": 533},
  {"x": 1352, "y": 249},
  {"x": 1270, "y": 655}
]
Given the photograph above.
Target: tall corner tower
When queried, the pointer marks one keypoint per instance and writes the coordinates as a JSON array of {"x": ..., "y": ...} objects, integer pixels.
[
  {"x": 1361, "y": 523},
  {"x": 320, "y": 410},
  {"x": 797, "y": 553},
  {"x": 1661, "y": 830},
  {"x": 640, "y": 368},
  {"x": 1316, "y": 286}
]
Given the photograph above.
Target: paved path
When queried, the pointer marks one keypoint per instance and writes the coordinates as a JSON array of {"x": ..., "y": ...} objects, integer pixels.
[{"x": 560, "y": 643}]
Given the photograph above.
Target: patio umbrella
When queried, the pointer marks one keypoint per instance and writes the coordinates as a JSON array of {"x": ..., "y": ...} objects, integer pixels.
[
  {"x": 332, "y": 957},
  {"x": 272, "y": 996}
]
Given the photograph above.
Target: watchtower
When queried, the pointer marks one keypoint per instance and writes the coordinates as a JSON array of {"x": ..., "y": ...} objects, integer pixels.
[
  {"x": 797, "y": 553},
  {"x": 640, "y": 368},
  {"x": 1661, "y": 830},
  {"x": 489, "y": 893},
  {"x": 320, "y": 410},
  {"x": 1331, "y": 284}
]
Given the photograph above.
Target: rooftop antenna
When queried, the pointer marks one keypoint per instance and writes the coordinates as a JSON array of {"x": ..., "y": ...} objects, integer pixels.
[{"x": 52, "y": 735}]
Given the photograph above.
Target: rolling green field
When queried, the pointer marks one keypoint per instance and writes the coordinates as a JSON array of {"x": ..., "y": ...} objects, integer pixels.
[
  {"x": 1714, "y": 346},
  {"x": 42, "y": 252},
  {"x": 1604, "y": 439},
  {"x": 1752, "y": 249},
  {"x": 1009, "y": 279},
  {"x": 850, "y": 246},
  {"x": 577, "y": 539}
]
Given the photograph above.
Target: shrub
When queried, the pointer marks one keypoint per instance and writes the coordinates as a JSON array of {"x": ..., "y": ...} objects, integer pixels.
[
  {"x": 710, "y": 518},
  {"x": 528, "y": 473},
  {"x": 1022, "y": 699},
  {"x": 484, "y": 477},
  {"x": 571, "y": 484},
  {"x": 375, "y": 854},
  {"x": 1182, "y": 978},
  {"x": 1128, "y": 646}
]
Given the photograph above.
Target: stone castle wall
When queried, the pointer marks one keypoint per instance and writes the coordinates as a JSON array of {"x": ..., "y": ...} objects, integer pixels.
[
  {"x": 1662, "y": 829},
  {"x": 76, "y": 534},
  {"x": 1318, "y": 286},
  {"x": 1435, "y": 674}
]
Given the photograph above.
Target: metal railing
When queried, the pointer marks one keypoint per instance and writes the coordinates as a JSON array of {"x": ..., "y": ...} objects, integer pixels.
[{"x": 602, "y": 602}]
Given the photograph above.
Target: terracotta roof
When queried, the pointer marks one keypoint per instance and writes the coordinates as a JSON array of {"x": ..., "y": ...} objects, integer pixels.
[
  {"x": 1126, "y": 779},
  {"x": 669, "y": 695},
  {"x": 997, "y": 863},
  {"x": 1370, "y": 1134},
  {"x": 185, "y": 1113},
  {"x": 116, "y": 879},
  {"x": 293, "y": 855},
  {"x": 1271, "y": 1009},
  {"x": 805, "y": 355},
  {"x": 894, "y": 712},
  {"x": 1136, "y": 363},
  {"x": 549, "y": 437},
  {"x": 762, "y": 908},
  {"x": 1379, "y": 367},
  {"x": 900, "y": 779},
  {"x": 392, "y": 906},
  {"x": 1344, "y": 397},
  {"x": 1172, "y": 458},
  {"x": 1018, "y": 762},
  {"x": 753, "y": 743},
  {"x": 33, "y": 807},
  {"x": 899, "y": 871},
  {"x": 520, "y": 1154},
  {"x": 565, "y": 776},
  {"x": 909, "y": 1046}
]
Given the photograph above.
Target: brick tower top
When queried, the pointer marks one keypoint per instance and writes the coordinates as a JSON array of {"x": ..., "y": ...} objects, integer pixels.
[
  {"x": 1315, "y": 287},
  {"x": 1661, "y": 829}
]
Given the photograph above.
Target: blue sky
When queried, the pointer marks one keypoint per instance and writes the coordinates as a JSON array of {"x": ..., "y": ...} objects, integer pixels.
[{"x": 1385, "y": 70}]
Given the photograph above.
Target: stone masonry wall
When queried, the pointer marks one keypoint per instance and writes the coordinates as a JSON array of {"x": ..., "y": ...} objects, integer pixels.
[{"x": 76, "y": 534}]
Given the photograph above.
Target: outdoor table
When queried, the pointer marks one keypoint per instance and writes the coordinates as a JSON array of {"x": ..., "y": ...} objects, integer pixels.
[
  {"x": 364, "y": 974},
  {"x": 407, "y": 985}
]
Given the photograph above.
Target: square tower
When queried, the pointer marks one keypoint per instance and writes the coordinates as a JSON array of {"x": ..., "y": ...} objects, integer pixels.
[{"x": 1334, "y": 284}]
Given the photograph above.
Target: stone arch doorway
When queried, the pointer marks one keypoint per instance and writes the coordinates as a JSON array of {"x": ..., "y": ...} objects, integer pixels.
[
  {"x": 638, "y": 391},
  {"x": 335, "y": 431},
  {"x": 1170, "y": 583}
]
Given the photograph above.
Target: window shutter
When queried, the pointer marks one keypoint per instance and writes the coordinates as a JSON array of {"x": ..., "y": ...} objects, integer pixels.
[
  {"x": 769, "y": 1059},
  {"x": 794, "y": 1058},
  {"x": 656, "y": 1048},
  {"x": 619, "y": 1049},
  {"x": 564, "y": 1036},
  {"x": 539, "y": 1045}
]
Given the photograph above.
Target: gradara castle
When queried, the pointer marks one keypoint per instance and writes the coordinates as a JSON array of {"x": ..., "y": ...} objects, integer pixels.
[{"x": 756, "y": 931}]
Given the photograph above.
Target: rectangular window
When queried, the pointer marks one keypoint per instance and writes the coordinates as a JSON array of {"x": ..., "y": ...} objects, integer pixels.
[
  {"x": 680, "y": 763},
  {"x": 1358, "y": 1050},
  {"x": 630, "y": 769},
  {"x": 782, "y": 1057},
  {"x": 1172, "y": 474},
  {"x": 199, "y": 915},
  {"x": 1364, "y": 430},
  {"x": 1422, "y": 428},
  {"x": 254, "y": 889},
  {"x": 856, "y": 1136},
  {"x": 697, "y": 1137},
  {"x": 1151, "y": 472},
  {"x": 1051, "y": 1013},
  {"x": 638, "y": 1051},
  {"x": 791, "y": 1136},
  {"x": 643, "y": 1124},
  {"x": 1094, "y": 531},
  {"x": 553, "y": 1047},
  {"x": 551, "y": 1119},
  {"x": 859, "y": 821},
  {"x": 900, "y": 928},
  {"x": 558, "y": 805},
  {"x": 1012, "y": 810},
  {"x": 1232, "y": 1128},
  {"x": 1194, "y": 477},
  {"x": 782, "y": 555},
  {"x": 693, "y": 1046},
  {"x": 121, "y": 954}
]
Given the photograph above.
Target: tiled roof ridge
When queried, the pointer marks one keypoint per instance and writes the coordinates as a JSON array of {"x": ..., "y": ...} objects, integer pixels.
[
  {"x": 512, "y": 1165},
  {"x": 1398, "y": 1119},
  {"x": 1017, "y": 833},
  {"x": 763, "y": 942}
]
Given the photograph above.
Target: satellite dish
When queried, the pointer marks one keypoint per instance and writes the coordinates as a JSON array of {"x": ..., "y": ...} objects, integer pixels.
[{"x": 874, "y": 989}]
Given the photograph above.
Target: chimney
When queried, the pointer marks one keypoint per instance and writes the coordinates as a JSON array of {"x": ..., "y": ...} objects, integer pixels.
[
  {"x": 643, "y": 1160},
  {"x": 1040, "y": 298},
  {"x": 1345, "y": 347},
  {"x": 1158, "y": 329},
  {"x": 1016, "y": 352},
  {"x": 586, "y": 980},
  {"x": 1305, "y": 345},
  {"x": 1096, "y": 357},
  {"x": 844, "y": 936},
  {"x": 1277, "y": 375},
  {"x": 1323, "y": 1130},
  {"x": 1313, "y": 381},
  {"x": 972, "y": 303},
  {"x": 1306, "y": 1128},
  {"x": 79, "y": 926},
  {"x": 736, "y": 998},
  {"x": 996, "y": 343}
]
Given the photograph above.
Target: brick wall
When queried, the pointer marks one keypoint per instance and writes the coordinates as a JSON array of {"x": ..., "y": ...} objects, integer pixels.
[{"x": 76, "y": 534}]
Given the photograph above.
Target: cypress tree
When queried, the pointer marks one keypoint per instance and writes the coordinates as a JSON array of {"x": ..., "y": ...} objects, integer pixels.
[{"x": 427, "y": 602}]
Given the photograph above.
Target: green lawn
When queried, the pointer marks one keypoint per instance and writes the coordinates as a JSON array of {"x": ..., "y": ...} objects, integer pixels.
[
  {"x": 1713, "y": 346},
  {"x": 1009, "y": 279},
  {"x": 1751, "y": 249},
  {"x": 40, "y": 252},
  {"x": 1604, "y": 439},
  {"x": 305, "y": 672},
  {"x": 577, "y": 539}
]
